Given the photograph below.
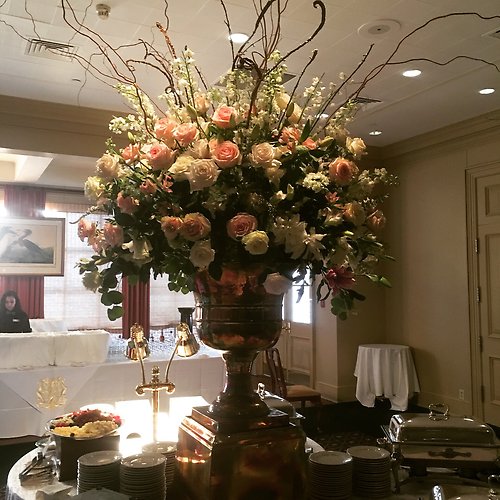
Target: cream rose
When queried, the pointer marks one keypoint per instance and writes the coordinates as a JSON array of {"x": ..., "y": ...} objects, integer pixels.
[
  {"x": 139, "y": 248},
  {"x": 342, "y": 171},
  {"x": 277, "y": 284},
  {"x": 262, "y": 155},
  {"x": 355, "y": 145},
  {"x": 180, "y": 169},
  {"x": 201, "y": 103},
  {"x": 202, "y": 174},
  {"x": 201, "y": 254},
  {"x": 108, "y": 166},
  {"x": 282, "y": 100},
  {"x": 256, "y": 242},
  {"x": 295, "y": 115},
  {"x": 94, "y": 189},
  {"x": 240, "y": 225},
  {"x": 200, "y": 149},
  {"x": 195, "y": 227},
  {"x": 354, "y": 213},
  {"x": 226, "y": 154}
]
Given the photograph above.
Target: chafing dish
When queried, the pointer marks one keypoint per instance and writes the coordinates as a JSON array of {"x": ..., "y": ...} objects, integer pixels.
[{"x": 438, "y": 439}]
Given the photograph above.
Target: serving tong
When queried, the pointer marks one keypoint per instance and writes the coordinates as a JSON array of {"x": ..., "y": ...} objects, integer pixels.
[{"x": 41, "y": 468}]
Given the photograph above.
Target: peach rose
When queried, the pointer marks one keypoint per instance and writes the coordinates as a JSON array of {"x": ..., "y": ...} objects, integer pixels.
[
  {"x": 226, "y": 154},
  {"x": 309, "y": 143},
  {"x": 127, "y": 204},
  {"x": 86, "y": 229},
  {"x": 201, "y": 103},
  {"x": 113, "y": 234},
  {"x": 342, "y": 171},
  {"x": 225, "y": 117},
  {"x": 160, "y": 156},
  {"x": 195, "y": 227},
  {"x": 148, "y": 187},
  {"x": 164, "y": 128},
  {"x": 131, "y": 152},
  {"x": 171, "y": 226},
  {"x": 240, "y": 225},
  {"x": 289, "y": 136},
  {"x": 185, "y": 134}
]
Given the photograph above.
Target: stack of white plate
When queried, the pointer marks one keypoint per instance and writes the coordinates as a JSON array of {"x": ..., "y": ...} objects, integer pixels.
[
  {"x": 143, "y": 476},
  {"x": 99, "y": 469},
  {"x": 371, "y": 471},
  {"x": 168, "y": 449},
  {"x": 330, "y": 474}
]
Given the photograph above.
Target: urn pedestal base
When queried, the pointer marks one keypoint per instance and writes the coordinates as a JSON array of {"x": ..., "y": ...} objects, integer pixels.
[{"x": 241, "y": 459}]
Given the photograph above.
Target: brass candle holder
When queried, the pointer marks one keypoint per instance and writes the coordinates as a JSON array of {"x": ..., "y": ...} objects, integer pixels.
[{"x": 185, "y": 346}]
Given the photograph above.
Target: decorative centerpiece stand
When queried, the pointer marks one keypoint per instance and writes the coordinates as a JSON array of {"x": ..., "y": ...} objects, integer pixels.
[{"x": 237, "y": 447}]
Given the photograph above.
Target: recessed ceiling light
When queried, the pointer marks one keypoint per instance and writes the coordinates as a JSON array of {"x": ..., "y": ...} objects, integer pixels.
[
  {"x": 486, "y": 91},
  {"x": 238, "y": 37},
  {"x": 375, "y": 132},
  {"x": 412, "y": 73}
]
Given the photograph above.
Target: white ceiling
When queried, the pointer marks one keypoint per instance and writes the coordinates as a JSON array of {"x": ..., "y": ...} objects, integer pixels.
[{"x": 442, "y": 95}]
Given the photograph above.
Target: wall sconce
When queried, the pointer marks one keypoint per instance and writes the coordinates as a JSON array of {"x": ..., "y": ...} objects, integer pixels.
[{"x": 185, "y": 346}]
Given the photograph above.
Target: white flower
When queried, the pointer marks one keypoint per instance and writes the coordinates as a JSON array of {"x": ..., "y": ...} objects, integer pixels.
[
  {"x": 92, "y": 280},
  {"x": 94, "y": 189},
  {"x": 180, "y": 169},
  {"x": 108, "y": 166},
  {"x": 276, "y": 284},
  {"x": 139, "y": 248},
  {"x": 355, "y": 145},
  {"x": 201, "y": 254},
  {"x": 203, "y": 173}
]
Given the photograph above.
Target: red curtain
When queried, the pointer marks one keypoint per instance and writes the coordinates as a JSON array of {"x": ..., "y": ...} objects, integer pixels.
[
  {"x": 136, "y": 306},
  {"x": 24, "y": 201}
]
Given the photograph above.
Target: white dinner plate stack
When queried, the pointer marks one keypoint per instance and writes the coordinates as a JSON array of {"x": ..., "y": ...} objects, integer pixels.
[
  {"x": 371, "y": 471},
  {"x": 99, "y": 469},
  {"x": 168, "y": 449},
  {"x": 330, "y": 474},
  {"x": 142, "y": 476}
]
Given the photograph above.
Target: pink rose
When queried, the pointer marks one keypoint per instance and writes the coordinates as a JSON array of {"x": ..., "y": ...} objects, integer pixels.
[
  {"x": 131, "y": 152},
  {"x": 161, "y": 156},
  {"x": 86, "y": 229},
  {"x": 309, "y": 143},
  {"x": 376, "y": 221},
  {"x": 225, "y": 117},
  {"x": 338, "y": 278},
  {"x": 185, "y": 134},
  {"x": 342, "y": 171},
  {"x": 113, "y": 234},
  {"x": 127, "y": 204},
  {"x": 226, "y": 154},
  {"x": 164, "y": 128},
  {"x": 195, "y": 227},
  {"x": 171, "y": 226},
  {"x": 240, "y": 225},
  {"x": 148, "y": 187}
]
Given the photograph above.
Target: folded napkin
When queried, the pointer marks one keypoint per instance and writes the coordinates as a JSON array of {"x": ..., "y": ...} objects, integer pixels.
[{"x": 56, "y": 491}]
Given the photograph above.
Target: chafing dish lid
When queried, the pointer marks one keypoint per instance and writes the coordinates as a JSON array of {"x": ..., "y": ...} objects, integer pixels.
[{"x": 440, "y": 428}]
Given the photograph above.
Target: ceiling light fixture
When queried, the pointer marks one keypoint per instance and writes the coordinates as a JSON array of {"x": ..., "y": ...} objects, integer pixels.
[
  {"x": 238, "y": 37},
  {"x": 102, "y": 10},
  {"x": 375, "y": 132},
  {"x": 486, "y": 91},
  {"x": 412, "y": 73}
]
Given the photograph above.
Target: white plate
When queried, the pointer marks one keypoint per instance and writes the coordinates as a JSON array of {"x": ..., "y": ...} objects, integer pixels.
[
  {"x": 368, "y": 452},
  {"x": 104, "y": 457},
  {"x": 164, "y": 447},
  {"x": 330, "y": 458},
  {"x": 142, "y": 460}
]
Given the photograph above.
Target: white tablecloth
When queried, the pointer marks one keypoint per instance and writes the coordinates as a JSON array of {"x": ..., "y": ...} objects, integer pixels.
[
  {"x": 39, "y": 349},
  {"x": 22, "y": 400},
  {"x": 47, "y": 325},
  {"x": 385, "y": 370}
]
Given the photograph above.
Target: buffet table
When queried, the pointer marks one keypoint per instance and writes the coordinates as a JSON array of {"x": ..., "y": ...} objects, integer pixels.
[
  {"x": 385, "y": 370},
  {"x": 31, "y": 396}
]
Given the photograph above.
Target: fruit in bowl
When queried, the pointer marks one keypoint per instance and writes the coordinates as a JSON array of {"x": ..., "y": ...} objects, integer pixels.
[{"x": 84, "y": 424}]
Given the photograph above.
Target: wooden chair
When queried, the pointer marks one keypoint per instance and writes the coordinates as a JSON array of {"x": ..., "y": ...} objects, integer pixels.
[{"x": 292, "y": 392}]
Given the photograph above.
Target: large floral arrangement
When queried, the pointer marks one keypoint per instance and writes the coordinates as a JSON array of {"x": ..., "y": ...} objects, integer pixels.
[{"x": 241, "y": 173}]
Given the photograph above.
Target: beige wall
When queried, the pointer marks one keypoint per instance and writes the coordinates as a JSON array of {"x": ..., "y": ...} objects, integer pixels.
[{"x": 428, "y": 308}]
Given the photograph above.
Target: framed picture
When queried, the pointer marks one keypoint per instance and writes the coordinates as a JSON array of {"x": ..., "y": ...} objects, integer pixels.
[{"x": 31, "y": 246}]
